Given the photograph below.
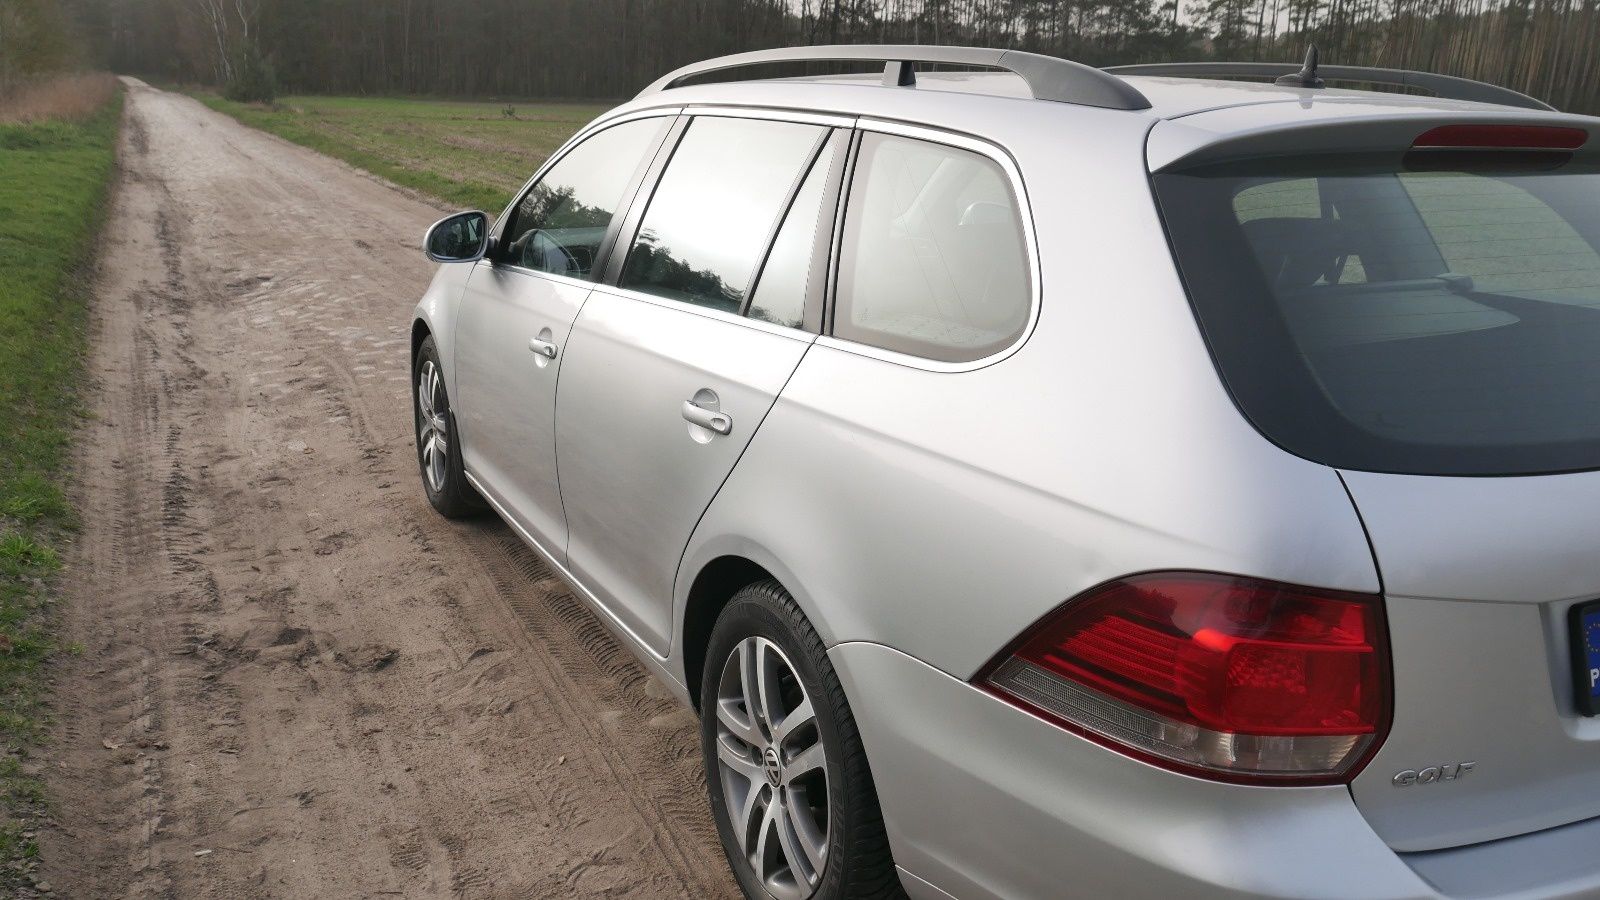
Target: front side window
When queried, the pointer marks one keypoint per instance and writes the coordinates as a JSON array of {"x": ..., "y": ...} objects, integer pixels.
[
  {"x": 1437, "y": 314},
  {"x": 714, "y": 209},
  {"x": 934, "y": 262},
  {"x": 560, "y": 224}
]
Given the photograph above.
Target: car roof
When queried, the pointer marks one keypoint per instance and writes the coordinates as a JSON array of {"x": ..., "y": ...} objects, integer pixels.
[
  {"x": 1169, "y": 97},
  {"x": 1187, "y": 119}
]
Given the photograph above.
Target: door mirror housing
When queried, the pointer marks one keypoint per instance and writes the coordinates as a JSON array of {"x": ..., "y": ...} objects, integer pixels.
[{"x": 463, "y": 237}]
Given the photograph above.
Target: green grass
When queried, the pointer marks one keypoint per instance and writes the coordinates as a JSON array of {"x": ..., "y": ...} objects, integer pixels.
[
  {"x": 53, "y": 181},
  {"x": 469, "y": 154}
]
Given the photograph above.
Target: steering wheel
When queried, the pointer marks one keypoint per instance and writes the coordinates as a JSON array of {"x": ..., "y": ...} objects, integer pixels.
[{"x": 538, "y": 250}]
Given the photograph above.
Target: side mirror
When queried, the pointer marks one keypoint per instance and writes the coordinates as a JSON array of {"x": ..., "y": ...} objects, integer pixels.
[{"x": 462, "y": 237}]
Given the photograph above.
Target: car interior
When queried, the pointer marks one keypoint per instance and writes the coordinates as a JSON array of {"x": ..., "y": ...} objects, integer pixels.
[
  {"x": 939, "y": 258},
  {"x": 1422, "y": 314}
]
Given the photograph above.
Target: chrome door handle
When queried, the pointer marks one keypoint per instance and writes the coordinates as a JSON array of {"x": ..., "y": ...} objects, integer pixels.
[
  {"x": 546, "y": 349},
  {"x": 720, "y": 422}
]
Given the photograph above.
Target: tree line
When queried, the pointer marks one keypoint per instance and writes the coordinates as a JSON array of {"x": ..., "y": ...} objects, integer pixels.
[
  {"x": 37, "y": 38},
  {"x": 610, "y": 48}
]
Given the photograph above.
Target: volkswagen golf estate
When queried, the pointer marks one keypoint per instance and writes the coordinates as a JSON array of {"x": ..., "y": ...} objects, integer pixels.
[{"x": 1047, "y": 481}]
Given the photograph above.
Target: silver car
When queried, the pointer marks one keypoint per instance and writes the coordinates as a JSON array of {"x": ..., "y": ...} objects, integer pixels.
[{"x": 1048, "y": 481}]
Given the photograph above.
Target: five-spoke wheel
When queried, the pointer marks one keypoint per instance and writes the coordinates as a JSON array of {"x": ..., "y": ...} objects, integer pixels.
[
  {"x": 773, "y": 768},
  {"x": 793, "y": 798},
  {"x": 438, "y": 451},
  {"x": 433, "y": 429}
]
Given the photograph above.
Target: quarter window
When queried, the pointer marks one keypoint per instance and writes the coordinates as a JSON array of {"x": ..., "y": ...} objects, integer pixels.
[
  {"x": 933, "y": 261},
  {"x": 715, "y": 208},
  {"x": 560, "y": 224}
]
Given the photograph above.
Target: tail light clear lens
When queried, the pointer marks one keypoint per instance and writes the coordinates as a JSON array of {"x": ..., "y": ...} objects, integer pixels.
[{"x": 1221, "y": 676}]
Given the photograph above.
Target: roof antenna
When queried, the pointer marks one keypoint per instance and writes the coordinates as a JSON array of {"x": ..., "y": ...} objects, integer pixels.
[{"x": 1307, "y": 76}]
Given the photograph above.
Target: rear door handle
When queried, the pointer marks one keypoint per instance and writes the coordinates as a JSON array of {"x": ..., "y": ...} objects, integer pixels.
[
  {"x": 720, "y": 422},
  {"x": 546, "y": 349}
]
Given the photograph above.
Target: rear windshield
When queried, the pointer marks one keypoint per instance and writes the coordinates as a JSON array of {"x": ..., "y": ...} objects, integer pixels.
[{"x": 1436, "y": 314}]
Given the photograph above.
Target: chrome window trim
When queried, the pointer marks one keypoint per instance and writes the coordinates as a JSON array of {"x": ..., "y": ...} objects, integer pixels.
[
  {"x": 497, "y": 230},
  {"x": 510, "y": 269},
  {"x": 1008, "y": 165},
  {"x": 797, "y": 116},
  {"x": 798, "y": 334}
]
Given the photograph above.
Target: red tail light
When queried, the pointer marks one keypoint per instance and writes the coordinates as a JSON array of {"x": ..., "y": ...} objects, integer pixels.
[
  {"x": 1501, "y": 137},
  {"x": 1225, "y": 677}
]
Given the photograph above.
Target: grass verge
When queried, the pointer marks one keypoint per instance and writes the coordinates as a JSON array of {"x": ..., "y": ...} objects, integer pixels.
[
  {"x": 54, "y": 175},
  {"x": 71, "y": 97},
  {"x": 473, "y": 155}
]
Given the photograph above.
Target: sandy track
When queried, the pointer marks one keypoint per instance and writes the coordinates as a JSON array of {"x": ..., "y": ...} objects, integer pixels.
[{"x": 288, "y": 659}]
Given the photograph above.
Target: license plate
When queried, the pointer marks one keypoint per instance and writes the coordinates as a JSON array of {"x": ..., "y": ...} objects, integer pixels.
[{"x": 1586, "y": 656}]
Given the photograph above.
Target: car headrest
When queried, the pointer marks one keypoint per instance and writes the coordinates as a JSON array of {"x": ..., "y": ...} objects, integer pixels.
[{"x": 1296, "y": 252}]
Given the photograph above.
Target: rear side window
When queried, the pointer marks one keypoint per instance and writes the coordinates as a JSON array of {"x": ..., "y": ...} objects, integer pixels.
[
  {"x": 793, "y": 263},
  {"x": 715, "y": 208},
  {"x": 933, "y": 261},
  {"x": 559, "y": 225},
  {"x": 1433, "y": 315}
]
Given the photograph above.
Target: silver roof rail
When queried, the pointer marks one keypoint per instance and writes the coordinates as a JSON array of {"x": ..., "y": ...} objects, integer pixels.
[
  {"x": 1446, "y": 86},
  {"x": 1047, "y": 77}
]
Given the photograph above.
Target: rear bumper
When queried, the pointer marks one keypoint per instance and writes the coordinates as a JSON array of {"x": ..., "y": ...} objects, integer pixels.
[
  {"x": 1556, "y": 862},
  {"x": 982, "y": 800}
]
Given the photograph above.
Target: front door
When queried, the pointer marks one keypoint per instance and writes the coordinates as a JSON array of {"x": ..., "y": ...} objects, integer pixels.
[{"x": 516, "y": 315}]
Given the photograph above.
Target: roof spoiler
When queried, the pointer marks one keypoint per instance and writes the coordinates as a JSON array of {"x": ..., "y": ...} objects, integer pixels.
[
  {"x": 1311, "y": 75},
  {"x": 1255, "y": 131}
]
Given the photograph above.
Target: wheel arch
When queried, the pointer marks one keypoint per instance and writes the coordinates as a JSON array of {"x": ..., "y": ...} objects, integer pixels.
[
  {"x": 435, "y": 315},
  {"x": 714, "y": 585},
  {"x": 420, "y": 331},
  {"x": 713, "y": 572}
]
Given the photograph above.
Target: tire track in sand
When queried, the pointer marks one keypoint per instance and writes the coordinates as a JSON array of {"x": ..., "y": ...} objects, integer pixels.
[{"x": 289, "y": 661}]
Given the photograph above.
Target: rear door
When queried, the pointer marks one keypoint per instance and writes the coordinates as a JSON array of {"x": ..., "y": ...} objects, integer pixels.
[
  {"x": 517, "y": 311},
  {"x": 670, "y": 371}
]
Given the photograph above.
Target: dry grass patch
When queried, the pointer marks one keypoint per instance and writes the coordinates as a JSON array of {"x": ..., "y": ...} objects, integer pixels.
[{"x": 71, "y": 98}]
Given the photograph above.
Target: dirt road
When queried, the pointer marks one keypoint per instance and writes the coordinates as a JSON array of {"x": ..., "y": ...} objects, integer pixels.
[{"x": 295, "y": 679}]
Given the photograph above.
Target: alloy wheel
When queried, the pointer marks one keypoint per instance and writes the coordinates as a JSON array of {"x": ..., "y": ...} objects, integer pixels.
[
  {"x": 773, "y": 768},
  {"x": 433, "y": 428}
]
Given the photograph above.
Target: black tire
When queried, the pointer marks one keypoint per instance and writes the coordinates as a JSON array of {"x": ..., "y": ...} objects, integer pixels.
[
  {"x": 452, "y": 496},
  {"x": 858, "y": 863}
]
